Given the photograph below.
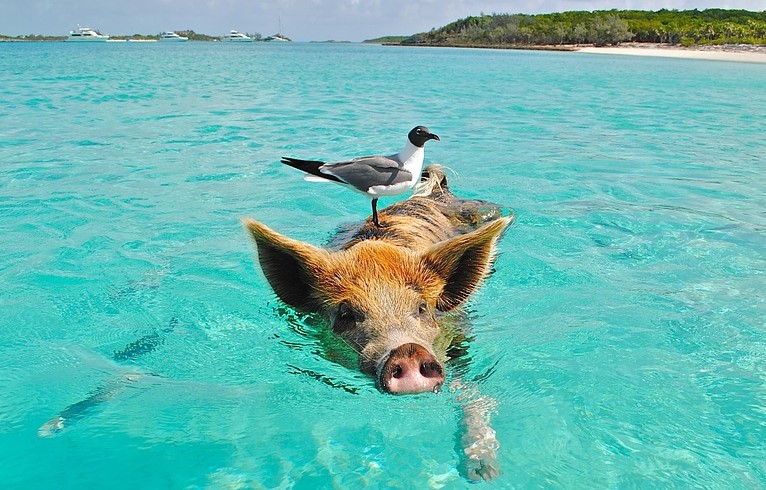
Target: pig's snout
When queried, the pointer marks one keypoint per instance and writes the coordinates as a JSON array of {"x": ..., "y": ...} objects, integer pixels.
[{"x": 410, "y": 368}]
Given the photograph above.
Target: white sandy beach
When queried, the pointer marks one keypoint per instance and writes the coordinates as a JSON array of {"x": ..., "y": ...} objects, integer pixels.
[{"x": 746, "y": 54}]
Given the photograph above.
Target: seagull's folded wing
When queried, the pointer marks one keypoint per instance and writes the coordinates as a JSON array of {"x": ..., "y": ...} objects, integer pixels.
[{"x": 363, "y": 173}]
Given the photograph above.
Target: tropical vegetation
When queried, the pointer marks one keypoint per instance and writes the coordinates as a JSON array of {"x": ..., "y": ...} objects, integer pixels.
[
  {"x": 386, "y": 39},
  {"x": 686, "y": 27}
]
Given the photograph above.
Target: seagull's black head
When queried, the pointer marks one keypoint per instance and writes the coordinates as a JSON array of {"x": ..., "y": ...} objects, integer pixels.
[{"x": 420, "y": 134}]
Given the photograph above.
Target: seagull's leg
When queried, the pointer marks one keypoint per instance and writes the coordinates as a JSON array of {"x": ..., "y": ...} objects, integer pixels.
[{"x": 375, "y": 213}]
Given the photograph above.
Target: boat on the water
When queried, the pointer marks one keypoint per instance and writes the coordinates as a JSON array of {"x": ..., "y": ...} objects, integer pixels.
[
  {"x": 278, "y": 38},
  {"x": 238, "y": 37},
  {"x": 86, "y": 34},
  {"x": 172, "y": 37}
]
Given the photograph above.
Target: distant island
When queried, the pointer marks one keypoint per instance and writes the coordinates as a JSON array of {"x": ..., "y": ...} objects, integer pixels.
[
  {"x": 387, "y": 40},
  {"x": 599, "y": 28}
]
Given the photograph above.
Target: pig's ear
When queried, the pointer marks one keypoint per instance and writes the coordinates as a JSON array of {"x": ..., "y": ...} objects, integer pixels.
[
  {"x": 291, "y": 267},
  {"x": 463, "y": 262}
]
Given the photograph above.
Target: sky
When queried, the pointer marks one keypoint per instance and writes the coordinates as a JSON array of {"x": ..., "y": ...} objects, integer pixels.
[{"x": 301, "y": 20}]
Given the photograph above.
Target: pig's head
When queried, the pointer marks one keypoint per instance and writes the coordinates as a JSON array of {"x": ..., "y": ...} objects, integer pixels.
[{"x": 381, "y": 298}]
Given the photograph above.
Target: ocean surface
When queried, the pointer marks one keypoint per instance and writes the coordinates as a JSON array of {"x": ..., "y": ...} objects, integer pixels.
[{"x": 622, "y": 334}]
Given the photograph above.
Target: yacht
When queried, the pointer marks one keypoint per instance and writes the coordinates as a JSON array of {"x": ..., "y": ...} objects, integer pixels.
[
  {"x": 86, "y": 34},
  {"x": 235, "y": 36},
  {"x": 278, "y": 38},
  {"x": 172, "y": 37}
]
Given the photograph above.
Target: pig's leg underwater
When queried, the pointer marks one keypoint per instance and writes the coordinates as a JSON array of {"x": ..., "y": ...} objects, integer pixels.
[
  {"x": 478, "y": 443},
  {"x": 83, "y": 408},
  {"x": 114, "y": 386}
]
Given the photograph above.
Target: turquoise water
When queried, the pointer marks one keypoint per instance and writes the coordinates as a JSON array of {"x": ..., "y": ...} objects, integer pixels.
[{"x": 622, "y": 334}]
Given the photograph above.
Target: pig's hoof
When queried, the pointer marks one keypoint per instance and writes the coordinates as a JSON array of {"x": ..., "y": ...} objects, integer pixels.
[
  {"x": 484, "y": 469},
  {"x": 51, "y": 427}
]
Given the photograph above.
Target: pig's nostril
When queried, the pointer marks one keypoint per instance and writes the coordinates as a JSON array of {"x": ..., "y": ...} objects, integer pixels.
[
  {"x": 397, "y": 372},
  {"x": 430, "y": 369}
]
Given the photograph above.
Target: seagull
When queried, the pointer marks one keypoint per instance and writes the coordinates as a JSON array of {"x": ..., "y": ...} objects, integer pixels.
[{"x": 373, "y": 176}]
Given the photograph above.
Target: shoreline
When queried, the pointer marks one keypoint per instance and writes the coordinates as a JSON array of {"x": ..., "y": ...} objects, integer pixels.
[
  {"x": 742, "y": 53},
  {"x": 745, "y": 53}
]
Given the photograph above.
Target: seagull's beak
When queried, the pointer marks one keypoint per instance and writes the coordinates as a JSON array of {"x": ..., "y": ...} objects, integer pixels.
[{"x": 434, "y": 137}]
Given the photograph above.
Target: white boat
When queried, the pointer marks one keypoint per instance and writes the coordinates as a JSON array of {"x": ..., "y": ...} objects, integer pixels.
[
  {"x": 238, "y": 37},
  {"x": 278, "y": 38},
  {"x": 86, "y": 34},
  {"x": 172, "y": 37}
]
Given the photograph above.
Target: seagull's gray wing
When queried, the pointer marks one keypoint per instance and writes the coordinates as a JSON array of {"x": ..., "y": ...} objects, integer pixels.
[
  {"x": 379, "y": 161},
  {"x": 363, "y": 173}
]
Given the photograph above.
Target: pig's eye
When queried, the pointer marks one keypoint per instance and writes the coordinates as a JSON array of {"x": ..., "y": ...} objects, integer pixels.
[
  {"x": 422, "y": 308},
  {"x": 347, "y": 318}
]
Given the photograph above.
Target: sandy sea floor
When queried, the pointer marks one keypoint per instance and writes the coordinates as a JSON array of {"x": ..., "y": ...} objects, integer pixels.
[{"x": 739, "y": 52}]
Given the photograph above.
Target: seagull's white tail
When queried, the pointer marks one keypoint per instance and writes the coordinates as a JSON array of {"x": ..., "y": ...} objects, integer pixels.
[{"x": 314, "y": 178}]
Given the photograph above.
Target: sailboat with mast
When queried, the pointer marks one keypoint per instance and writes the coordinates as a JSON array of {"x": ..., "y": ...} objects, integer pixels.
[{"x": 279, "y": 37}]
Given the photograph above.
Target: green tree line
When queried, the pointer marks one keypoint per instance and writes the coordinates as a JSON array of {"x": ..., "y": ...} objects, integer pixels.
[{"x": 686, "y": 27}]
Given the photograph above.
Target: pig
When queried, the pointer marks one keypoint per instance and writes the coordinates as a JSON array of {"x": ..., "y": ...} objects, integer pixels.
[{"x": 387, "y": 291}]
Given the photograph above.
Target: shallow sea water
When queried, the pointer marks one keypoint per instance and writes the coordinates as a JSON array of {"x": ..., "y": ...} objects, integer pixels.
[{"x": 622, "y": 333}]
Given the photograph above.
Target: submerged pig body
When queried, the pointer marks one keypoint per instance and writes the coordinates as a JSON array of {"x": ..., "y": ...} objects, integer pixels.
[{"x": 384, "y": 289}]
